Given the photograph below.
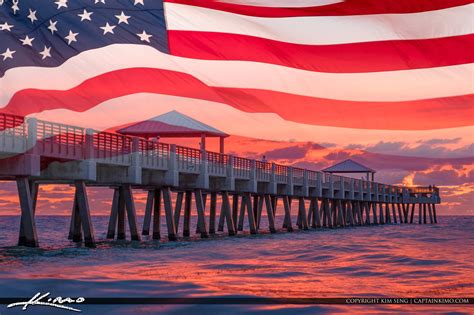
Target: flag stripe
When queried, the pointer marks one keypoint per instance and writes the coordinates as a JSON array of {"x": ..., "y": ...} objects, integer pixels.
[
  {"x": 345, "y": 58},
  {"x": 391, "y": 86},
  {"x": 347, "y": 7},
  {"x": 416, "y": 115},
  {"x": 322, "y": 30},
  {"x": 282, "y": 3},
  {"x": 117, "y": 112}
]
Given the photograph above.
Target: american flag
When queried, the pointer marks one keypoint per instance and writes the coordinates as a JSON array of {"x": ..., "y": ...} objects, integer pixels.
[{"x": 380, "y": 65}]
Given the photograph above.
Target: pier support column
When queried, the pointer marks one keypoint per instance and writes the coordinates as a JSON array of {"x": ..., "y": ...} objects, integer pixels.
[
  {"x": 177, "y": 210},
  {"x": 187, "y": 213},
  {"x": 270, "y": 213},
  {"x": 341, "y": 219},
  {"x": 148, "y": 212},
  {"x": 84, "y": 213},
  {"x": 387, "y": 213},
  {"x": 212, "y": 214},
  {"x": 434, "y": 214},
  {"x": 204, "y": 202},
  {"x": 419, "y": 213},
  {"x": 405, "y": 209},
  {"x": 121, "y": 217},
  {"x": 226, "y": 215},
  {"x": 400, "y": 215},
  {"x": 235, "y": 210},
  {"x": 287, "y": 221},
  {"x": 303, "y": 224},
  {"x": 424, "y": 213},
  {"x": 350, "y": 213},
  {"x": 412, "y": 213},
  {"x": 243, "y": 205},
  {"x": 313, "y": 213},
  {"x": 261, "y": 201},
  {"x": 250, "y": 214},
  {"x": 358, "y": 212},
  {"x": 131, "y": 212},
  {"x": 123, "y": 206},
  {"x": 113, "y": 215},
  {"x": 394, "y": 213},
  {"x": 381, "y": 216},
  {"x": 430, "y": 213},
  {"x": 169, "y": 214},
  {"x": 374, "y": 212},
  {"x": 27, "y": 236},
  {"x": 201, "y": 215}
]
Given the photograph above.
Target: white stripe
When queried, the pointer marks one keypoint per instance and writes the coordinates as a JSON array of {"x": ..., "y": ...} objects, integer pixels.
[
  {"x": 283, "y": 3},
  {"x": 143, "y": 106},
  {"x": 325, "y": 30},
  {"x": 377, "y": 86}
]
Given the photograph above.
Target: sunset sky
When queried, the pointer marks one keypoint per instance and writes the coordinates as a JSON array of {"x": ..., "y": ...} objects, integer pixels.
[{"x": 387, "y": 83}]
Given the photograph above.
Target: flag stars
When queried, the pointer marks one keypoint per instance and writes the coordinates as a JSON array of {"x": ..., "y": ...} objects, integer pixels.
[
  {"x": 142, "y": 2},
  {"x": 45, "y": 53},
  {"x": 6, "y": 27},
  {"x": 107, "y": 28},
  {"x": 52, "y": 26},
  {"x": 71, "y": 37},
  {"x": 122, "y": 18},
  {"x": 32, "y": 16},
  {"x": 27, "y": 41},
  {"x": 99, "y": 1},
  {"x": 85, "y": 15},
  {"x": 15, "y": 6},
  {"x": 144, "y": 37},
  {"x": 61, "y": 4},
  {"x": 8, "y": 54}
]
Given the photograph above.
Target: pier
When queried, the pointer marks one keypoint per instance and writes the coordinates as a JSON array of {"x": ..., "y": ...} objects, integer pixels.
[{"x": 35, "y": 152}]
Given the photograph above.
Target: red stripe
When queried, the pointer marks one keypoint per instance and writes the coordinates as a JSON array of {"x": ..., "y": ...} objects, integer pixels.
[
  {"x": 348, "y": 7},
  {"x": 345, "y": 58},
  {"x": 414, "y": 115}
]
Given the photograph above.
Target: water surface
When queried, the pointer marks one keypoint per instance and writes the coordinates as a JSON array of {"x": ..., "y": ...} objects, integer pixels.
[{"x": 390, "y": 260}]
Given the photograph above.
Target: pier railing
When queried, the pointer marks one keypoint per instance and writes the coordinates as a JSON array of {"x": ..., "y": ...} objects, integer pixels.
[{"x": 65, "y": 142}]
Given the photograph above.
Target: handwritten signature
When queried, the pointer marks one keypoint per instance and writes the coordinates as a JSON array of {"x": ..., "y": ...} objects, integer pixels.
[{"x": 45, "y": 300}]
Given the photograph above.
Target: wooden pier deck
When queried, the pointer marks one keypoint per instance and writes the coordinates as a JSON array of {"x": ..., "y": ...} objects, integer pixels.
[{"x": 35, "y": 152}]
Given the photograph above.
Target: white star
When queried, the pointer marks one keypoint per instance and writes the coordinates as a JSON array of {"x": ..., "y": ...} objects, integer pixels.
[
  {"x": 101, "y": 1},
  {"x": 139, "y": 2},
  {"x": 122, "y": 18},
  {"x": 6, "y": 26},
  {"x": 71, "y": 37},
  {"x": 8, "y": 54},
  {"x": 85, "y": 15},
  {"x": 15, "y": 6},
  {"x": 108, "y": 28},
  {"x": 45, "y": 53},
  {"x": 144, "y": 37},
  {"x": 52, "y": 26},
  {"x": 27, "y": 41},
  {"x": 32, "y": 16},
  {"x": 61, "y": 4}
]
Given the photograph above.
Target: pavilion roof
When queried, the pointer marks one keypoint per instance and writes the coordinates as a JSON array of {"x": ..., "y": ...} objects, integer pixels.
[
  {"x": 348, "y": 166},
  {"x": 171, "y": 124}
]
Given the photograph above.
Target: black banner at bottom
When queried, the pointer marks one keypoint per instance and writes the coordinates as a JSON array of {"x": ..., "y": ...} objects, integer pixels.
[{"x": 257, "y": 300}]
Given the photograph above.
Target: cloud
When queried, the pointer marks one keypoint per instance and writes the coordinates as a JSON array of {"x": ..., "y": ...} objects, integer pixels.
[
  {"x": 429, "y": 148},
  {"x": 441, "y": 141}
]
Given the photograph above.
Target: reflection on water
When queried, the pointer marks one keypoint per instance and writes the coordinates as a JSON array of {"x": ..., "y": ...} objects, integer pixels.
[{"x": 392, "y": 260}]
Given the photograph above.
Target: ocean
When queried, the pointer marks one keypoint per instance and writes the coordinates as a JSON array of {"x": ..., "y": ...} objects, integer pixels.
[{"x": 408, "y": 260}]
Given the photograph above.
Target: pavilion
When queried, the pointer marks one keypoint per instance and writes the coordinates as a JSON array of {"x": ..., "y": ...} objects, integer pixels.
[
  {"x": 174, "y": 125},
  {"x": 350, "y": 166}
]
